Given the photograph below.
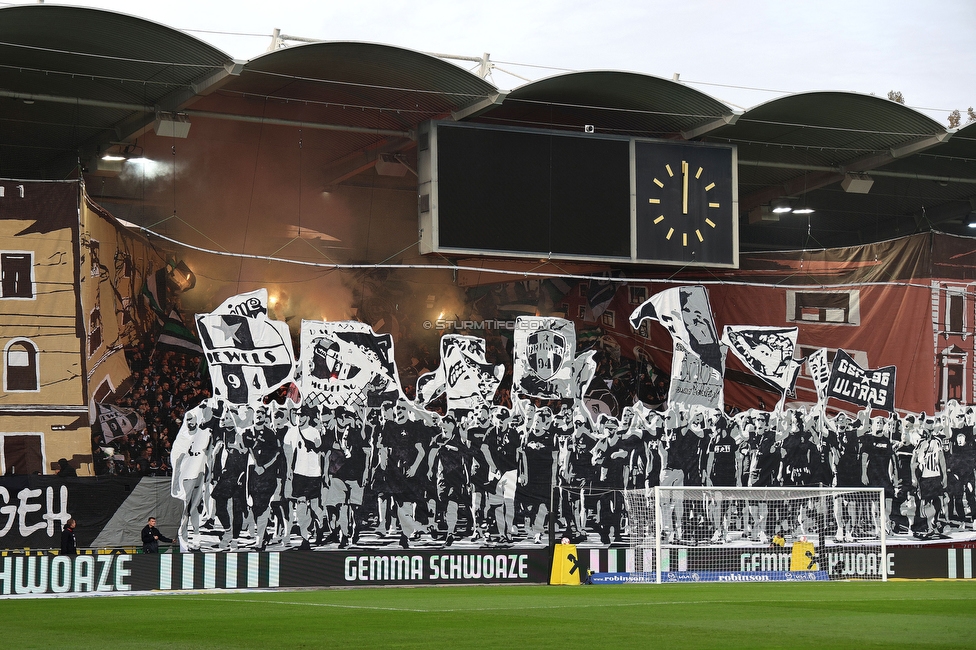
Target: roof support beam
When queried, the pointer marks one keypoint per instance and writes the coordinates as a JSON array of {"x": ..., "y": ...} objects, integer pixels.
[
  {"x": 206, "y": 114},
  {"x": 921, "y": 144},
  {"x": 478, "y": 107},
  {"x": 178, "y": 100},
  {"x": 78, "y": 101},
  {"x": 359, "y": 161},
  {"x": 298, "y": 124},
  {"x": 840, "y": 170},
  {"x": 711, "y": 125}
]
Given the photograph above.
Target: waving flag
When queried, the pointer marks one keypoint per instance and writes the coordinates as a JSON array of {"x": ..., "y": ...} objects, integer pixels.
[
  {"x": 599, "y": 295},
  {"x": 545, "y": 349},
  {"x": 344, "y": 363},
  {"x": 767, "y": 351},
  {"x": 251, "y": 304},
  {"x": 154, "y": 289},
  {"x": 249, "y": 355},
  {"x": 819, "y": 369},
  {"x": 464, "y": 374},
  {"x": 698, "y": 356},
  {"x": 864, "y": 387},
  {"x": 116, "y": 421},
  {"x": 177, "y": 337}
]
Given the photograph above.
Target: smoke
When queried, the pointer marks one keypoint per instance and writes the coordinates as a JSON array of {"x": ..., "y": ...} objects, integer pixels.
[
  {"x": 138, "y": 171},
  {"x": 275, "y": 191}
]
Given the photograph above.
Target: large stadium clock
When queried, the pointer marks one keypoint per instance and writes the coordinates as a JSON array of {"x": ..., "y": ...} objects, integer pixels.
[{"x": 685, "y": 203}]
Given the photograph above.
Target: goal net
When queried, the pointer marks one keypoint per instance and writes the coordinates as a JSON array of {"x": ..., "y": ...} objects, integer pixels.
[{"x": 680, "y": 534}]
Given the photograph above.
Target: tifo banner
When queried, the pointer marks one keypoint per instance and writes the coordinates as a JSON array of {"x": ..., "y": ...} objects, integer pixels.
[
  {"x": 248, "y": 354},
  {"x": 767, "y": 351},
  {"x": 852, "y": 383},
  {"x": 355, "y": 460},
  {"x": 584, "y": 369},
  {"x": 693, "y": 382},
  {"x": 463, "y": 374},
  {"x": 819, "y": 369},
  {"x": 344, "y": 363},
  {"x": 110, "y": 511},
  {"x": 545, "y": 349},
  {"x": 251, "y": 304},
  {"x": 698, "y": 361}
]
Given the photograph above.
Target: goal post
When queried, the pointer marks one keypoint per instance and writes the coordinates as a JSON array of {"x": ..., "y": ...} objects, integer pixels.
[{"x": 729, "y": 534}]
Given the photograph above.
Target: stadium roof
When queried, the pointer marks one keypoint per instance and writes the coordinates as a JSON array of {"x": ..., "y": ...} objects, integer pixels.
[
  {"x": 74, "y": 79},
  {"x": 623, "y": 103},
  {"x": 75, "y": 82}
]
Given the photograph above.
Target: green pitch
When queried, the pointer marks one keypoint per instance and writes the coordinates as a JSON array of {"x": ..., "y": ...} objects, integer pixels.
[{"x": 813, "y": 615}]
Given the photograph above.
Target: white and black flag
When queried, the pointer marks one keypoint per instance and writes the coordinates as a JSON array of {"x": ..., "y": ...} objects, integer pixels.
[
  {"x": 698, "y": 360},
  {"x": 116, "y": 421},
  {"x": 767, "y": 351},
  {"x": 545, "y": 349},
  {"x": 251, "y": 304},
  {"x": 819, "y": 369},
  {"x": 344, "y": 363},
  {"x": 249, "y": 355},
  {"x": 463, "y": 374},
  {"x": 864, "y": 387}
]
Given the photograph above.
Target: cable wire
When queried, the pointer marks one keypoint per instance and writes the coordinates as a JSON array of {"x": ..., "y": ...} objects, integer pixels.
[{"x": 521, "y": 274}]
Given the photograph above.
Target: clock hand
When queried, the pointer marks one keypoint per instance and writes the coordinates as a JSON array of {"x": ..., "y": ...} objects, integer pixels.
[{"x": 684, "y": 187}]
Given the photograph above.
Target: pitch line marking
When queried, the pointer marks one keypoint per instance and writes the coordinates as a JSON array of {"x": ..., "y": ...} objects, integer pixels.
[
  {"x": 295, "y": 602},
  {"x": 567, "y": 606}
]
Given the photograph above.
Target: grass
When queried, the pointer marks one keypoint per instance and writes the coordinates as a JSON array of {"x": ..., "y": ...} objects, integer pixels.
[{"x": 782, "y": 615}]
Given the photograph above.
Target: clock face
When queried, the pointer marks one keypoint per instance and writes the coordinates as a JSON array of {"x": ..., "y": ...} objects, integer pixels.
[{"x": 685, "y": 203}]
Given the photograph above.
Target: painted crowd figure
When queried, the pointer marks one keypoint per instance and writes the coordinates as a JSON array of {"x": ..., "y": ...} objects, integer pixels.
[{"x": 297, "y": 476}]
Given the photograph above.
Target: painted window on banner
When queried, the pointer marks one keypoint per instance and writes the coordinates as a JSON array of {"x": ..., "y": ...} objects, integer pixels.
[{"x": 825, "y": 307}]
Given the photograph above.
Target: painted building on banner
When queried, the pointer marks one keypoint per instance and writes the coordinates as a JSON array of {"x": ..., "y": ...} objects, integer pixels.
[
  {"x": 71, "y": 274},
  {"x": 907, "y": 302},
  {"x": 953, "y": 331}
]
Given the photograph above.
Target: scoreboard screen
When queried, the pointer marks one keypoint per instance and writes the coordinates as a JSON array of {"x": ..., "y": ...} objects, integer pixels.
[{"x": 553, "y": 194}]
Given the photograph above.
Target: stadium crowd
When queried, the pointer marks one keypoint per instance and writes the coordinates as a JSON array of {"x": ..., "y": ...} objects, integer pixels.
[{"x": 164, "y": 385}]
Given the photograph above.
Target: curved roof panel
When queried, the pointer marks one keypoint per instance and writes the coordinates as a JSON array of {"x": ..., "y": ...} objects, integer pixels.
[
  {"x": 113, "y": 56},
  {"x": 800, "y": 143},
  {"x": 361, "y": 84},
  {"x": 826, "y": 128},
  {"x": 613, "y": 102},
  {"x": 956, "y": 157},
  {"x": 74, "y": 78}
]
